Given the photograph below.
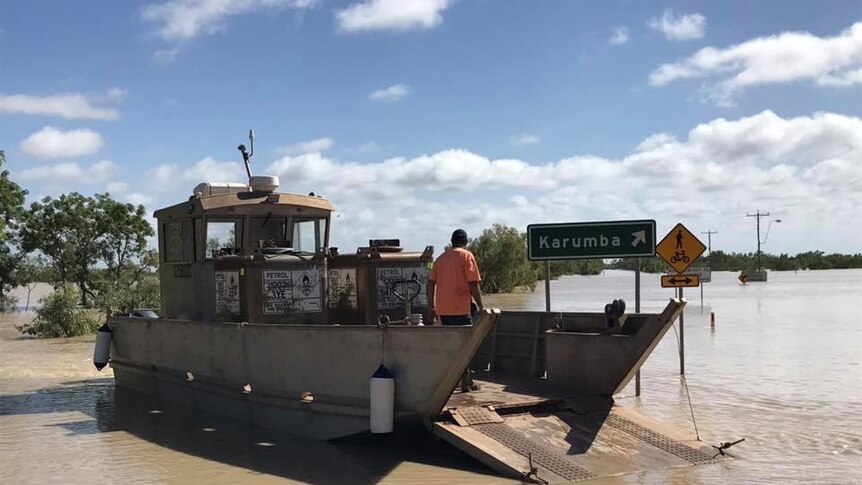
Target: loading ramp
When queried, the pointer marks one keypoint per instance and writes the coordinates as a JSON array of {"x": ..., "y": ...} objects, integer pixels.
[{"x": 516, "y": 428}]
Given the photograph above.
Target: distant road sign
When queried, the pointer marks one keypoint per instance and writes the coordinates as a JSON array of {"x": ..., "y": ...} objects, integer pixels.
[
  {"x": 680, "y": 281},
  {"x": 584, "y": 240},
  {"x": 680, "y": 248},
  {"x": 743, "y": 278},
  {"x": 704, "y": 272}
]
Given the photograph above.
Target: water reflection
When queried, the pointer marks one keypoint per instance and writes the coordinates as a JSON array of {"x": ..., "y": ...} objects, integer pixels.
[{"x": 72, "y": 411}]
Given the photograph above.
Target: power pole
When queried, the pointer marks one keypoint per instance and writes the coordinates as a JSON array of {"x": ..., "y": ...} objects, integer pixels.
[
  {"x": 708, "y": 260},
  {"x": 709, "y": 241},
  {"x": 758, "y": 215}
]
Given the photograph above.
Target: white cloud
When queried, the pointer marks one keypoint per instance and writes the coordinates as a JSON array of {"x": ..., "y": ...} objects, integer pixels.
[
  {"x": 63, "y": 173},
  {"x": 181, "y": 20},
  {"x": 371, "y": 147},
  {"x": 619, "y": 35},
  {"x": 50, "y": 142},
  {"x": 173, "y": 179},
  {"x": 525, "y": 139},
  {"x": 316, "y": 145},
  {"x": 778, "y": 59},
  {"x": 679, "y": 27},
  {"x": 397, "y": 15},
  {"x": 166, "y": 56},
  {"x": 395, "y": 92},
  {"x": 70, "y": 106},
  {"x": 806, "y": 169},
  {"x": 117, "y": 188}
]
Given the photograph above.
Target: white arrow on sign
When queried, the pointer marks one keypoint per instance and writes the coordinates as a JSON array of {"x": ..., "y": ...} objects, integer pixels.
[{"x": 640, "y": 236}]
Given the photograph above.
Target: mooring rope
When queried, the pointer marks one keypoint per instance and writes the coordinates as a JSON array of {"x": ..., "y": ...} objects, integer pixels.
[{"x": 685, "y": 384}]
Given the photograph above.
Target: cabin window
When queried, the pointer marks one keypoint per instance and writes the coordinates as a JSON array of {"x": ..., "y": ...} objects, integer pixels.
[
  {"x": 223, "y": 237},
  {"x": 305, "y": 235},
  {"x": 269, "y": 232},
  {"x": 173, "y": 241}
]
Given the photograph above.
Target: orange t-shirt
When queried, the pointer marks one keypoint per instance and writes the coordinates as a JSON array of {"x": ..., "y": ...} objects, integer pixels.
[{"x": 451, "y": 272}]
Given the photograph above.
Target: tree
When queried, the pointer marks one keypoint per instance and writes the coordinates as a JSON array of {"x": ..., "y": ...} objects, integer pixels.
[
  {"x": 136, "y": 285},
  {"x": 11, "y": 213},
  {"x": 60, "y": 316},
  {"x": 77, "y": 232},
  {"x": 32, "y": 271},
  {"x": 501, "y": 253}
]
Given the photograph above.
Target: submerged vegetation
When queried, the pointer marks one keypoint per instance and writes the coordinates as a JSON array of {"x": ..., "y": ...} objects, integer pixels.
[
  {"x": 92, "y": 250},
  {"x": 721, "y": 261},
  {"x": 61, "y": 316},
  {"x": 501, "y": 253}
]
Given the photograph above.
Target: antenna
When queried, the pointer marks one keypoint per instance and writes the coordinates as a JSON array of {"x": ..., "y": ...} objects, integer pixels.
[{"x": 246, "y": 156}]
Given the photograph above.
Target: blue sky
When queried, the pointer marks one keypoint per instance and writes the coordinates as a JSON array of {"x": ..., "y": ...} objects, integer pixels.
[{"x": 419, "y": 116}]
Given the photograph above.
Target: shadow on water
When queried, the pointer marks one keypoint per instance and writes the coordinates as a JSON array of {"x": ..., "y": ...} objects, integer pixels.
[{"x": 364, "y": 459}]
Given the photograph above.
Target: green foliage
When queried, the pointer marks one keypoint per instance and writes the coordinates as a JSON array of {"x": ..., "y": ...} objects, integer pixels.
[
  {"x": 11, "y": 213},
  {"x": 135, "y": 285},
  {"x": 32, "y": 271},
  {"x": 77, "y": 233},
  {"x": 502, "y": 257},
  {"x": 574, "y": 266},
  {"x": 8, "y": 303},
  {"x": 721, "y": 261},
  {"x": 648, "y": 265},
  {"x": 60, "y": 316}
]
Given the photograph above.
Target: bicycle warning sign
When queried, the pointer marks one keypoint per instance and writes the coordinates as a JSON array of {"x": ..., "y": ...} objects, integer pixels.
[{"x": 680, "y": 248}]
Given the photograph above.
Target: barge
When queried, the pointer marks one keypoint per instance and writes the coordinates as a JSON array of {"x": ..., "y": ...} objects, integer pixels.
[{"x": 263, "y": 321}]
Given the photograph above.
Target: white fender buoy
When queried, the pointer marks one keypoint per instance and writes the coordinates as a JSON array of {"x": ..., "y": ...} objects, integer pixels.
[
  {"x": 382, "y": 392},
  {"x": 102, "y": 352}
]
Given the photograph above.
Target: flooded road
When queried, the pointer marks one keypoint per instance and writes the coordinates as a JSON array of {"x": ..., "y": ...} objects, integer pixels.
[{"x": 782, "y": 369}]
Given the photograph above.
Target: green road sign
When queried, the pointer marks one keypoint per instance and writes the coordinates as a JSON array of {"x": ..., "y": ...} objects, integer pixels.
[{"x": 585, "y": 240}]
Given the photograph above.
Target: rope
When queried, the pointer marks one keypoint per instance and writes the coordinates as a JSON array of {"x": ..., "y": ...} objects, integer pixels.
[
  {"x": 383, "y": 327},
  {"x": 685, "y": 384}
]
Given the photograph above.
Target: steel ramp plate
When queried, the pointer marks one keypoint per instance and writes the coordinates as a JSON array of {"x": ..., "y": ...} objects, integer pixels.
[
  {"x": 473, "y": 415},
  {"x": 565, "y": 446}
]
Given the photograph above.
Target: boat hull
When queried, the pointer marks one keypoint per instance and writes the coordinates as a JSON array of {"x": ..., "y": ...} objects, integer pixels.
[{"x": 311, "y": 380}]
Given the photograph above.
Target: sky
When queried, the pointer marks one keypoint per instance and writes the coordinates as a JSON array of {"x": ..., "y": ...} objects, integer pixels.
[{"x": 416, "y": 117}]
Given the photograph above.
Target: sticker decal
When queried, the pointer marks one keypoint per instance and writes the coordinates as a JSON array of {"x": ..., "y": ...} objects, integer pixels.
[
  {"x": 386, "y": 277},
  {"x": 227, "y": 292},
  {"x": 291, "y": 291},
  {"x": 342, "y": 288}
]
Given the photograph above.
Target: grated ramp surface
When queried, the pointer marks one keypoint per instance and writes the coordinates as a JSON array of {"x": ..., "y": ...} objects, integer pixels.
[
  {"x": 670, "y": 445},
  {"x": 473, "y": 415},
  {"x": 541, "y": 456}
]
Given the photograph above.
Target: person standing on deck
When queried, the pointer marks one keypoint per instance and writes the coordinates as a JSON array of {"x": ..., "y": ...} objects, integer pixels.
[{"x": 453, "y": 280}]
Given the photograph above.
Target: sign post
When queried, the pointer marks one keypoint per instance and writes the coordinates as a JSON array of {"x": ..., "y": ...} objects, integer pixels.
[
  {"x": 680, "y": 281},
  {"x": 680, "y": 249},
  {"x": 638, "y": 310},
  {"x": 591, "y": 240},
  {"x": 588, "y": 240}
]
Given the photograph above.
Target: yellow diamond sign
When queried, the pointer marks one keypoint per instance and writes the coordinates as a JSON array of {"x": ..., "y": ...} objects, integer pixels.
[{"x": 680, "y": 248}]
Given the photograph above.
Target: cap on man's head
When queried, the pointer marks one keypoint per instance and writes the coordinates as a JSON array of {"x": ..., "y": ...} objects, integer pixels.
[{"x": 459, "y": 237}]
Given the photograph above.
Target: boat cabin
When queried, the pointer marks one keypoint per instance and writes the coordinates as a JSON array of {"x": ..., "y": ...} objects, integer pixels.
[{"x": 238, "y": 252}]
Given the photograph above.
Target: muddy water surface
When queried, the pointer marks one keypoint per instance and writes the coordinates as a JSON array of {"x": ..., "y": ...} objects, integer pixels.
[{"x": 782, "y": 369}]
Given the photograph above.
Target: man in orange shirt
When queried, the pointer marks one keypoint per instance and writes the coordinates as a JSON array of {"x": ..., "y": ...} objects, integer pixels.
[{"x": 454, "y": 279}]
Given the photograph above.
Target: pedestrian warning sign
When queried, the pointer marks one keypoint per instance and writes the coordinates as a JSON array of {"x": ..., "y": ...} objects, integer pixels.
[{"x": 680, "y": 248}]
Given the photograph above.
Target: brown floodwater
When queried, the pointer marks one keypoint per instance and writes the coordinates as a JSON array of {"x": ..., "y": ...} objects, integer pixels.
[{"x": 782, "y": 369}]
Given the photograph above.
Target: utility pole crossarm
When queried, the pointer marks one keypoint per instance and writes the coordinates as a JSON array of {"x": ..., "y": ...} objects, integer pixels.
[{"x": 758, "y": 215}]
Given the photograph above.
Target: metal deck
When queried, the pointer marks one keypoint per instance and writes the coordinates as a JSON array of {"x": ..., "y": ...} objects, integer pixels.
[{"x": 513, "y": 426}]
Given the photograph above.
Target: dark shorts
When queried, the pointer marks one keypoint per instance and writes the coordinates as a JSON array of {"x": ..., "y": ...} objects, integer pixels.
[{"x": 456, "y": 320}]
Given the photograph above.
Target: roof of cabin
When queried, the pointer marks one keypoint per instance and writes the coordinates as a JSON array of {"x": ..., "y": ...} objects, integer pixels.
[{"x": 245, "y": 199}]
